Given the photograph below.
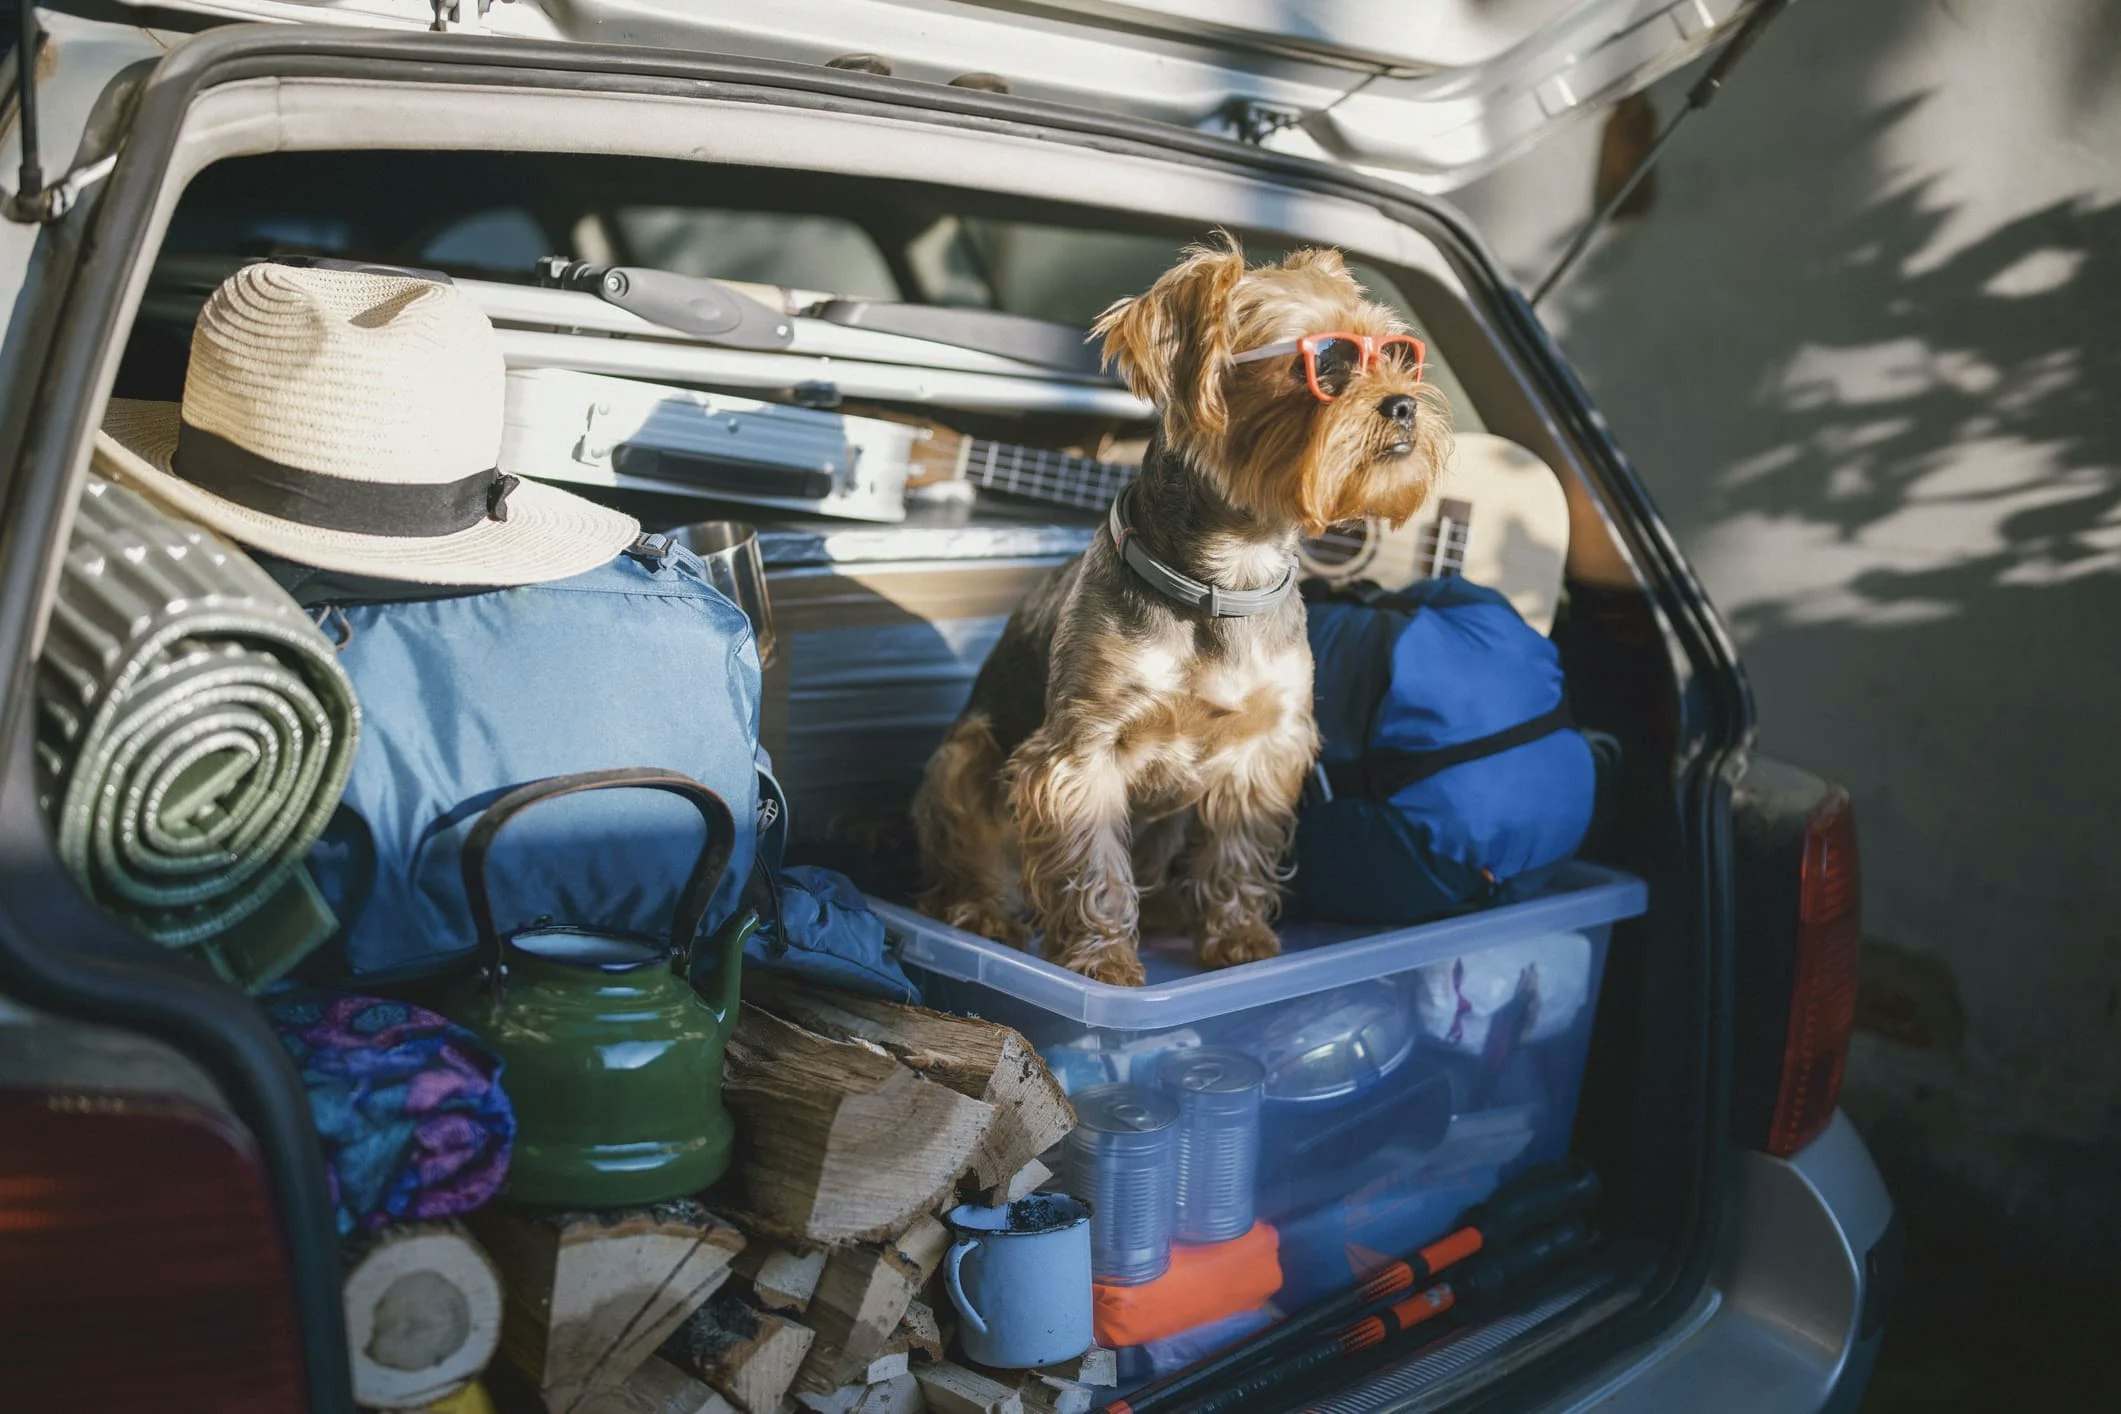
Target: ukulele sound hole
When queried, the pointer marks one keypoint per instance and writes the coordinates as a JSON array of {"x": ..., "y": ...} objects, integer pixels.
[{"x": 1342, "y": 551}]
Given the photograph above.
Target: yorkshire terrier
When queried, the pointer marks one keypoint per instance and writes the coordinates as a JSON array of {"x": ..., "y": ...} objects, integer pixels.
[{"x": 1142, "y": 731}]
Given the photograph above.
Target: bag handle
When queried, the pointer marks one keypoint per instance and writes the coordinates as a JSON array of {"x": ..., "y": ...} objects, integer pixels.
[{"x": 699, "y": 888}]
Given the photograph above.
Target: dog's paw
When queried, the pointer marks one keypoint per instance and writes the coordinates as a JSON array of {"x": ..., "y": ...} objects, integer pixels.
[
  {"x": 992, "y": 923},
  {"x": 1114, "y": 963},
  {"x": 1247, "y": 942}
]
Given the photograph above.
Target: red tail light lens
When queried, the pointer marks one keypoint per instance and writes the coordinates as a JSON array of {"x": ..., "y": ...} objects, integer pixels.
[
  {"x": 1823, "y": 996},
  {"x": 141, "y": 1266}
]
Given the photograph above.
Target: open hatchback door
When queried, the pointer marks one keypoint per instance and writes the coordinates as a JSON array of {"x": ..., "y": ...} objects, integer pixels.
[{"x": 1432, "y": 95}]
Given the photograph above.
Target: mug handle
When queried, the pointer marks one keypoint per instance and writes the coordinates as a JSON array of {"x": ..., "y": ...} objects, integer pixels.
[
  {"x": 699, "y": 888},
  {"x": 955, "y": 1282}
]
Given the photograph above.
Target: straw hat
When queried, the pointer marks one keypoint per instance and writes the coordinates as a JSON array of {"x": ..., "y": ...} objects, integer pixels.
[{"x": 351, "y": 419}]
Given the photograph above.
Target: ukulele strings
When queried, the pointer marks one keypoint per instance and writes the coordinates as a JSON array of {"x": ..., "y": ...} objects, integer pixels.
[
  {"x": 1038, "y": 472},
  {"x": 1440, "y": 545}
]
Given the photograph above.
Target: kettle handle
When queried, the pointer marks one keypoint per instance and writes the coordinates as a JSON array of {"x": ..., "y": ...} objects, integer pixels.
[{"x": 699, "y": 888}]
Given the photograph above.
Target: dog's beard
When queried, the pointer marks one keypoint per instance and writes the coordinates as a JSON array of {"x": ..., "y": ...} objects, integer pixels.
[{"x": 1307, "y": 464}]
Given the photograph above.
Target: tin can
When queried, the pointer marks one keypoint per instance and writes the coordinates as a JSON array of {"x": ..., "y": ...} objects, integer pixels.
[
  {"x": 1122, "y": 1157},
  {"x": 1218, "y": 1094}
]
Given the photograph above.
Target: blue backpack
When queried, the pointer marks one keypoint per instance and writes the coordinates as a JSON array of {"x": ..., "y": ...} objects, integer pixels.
[
  {"x": 464, "y": 696},
  {"x": 1449, "y": 773}
]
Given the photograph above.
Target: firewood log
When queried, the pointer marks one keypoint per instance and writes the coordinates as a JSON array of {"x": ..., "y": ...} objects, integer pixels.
[
  {"x": 975, "y": 1058},
  {"x": 423, "y": 1315},
  {"x": 843, "y": 1142},
  {"x": 839, "y": 1401},
  {"x": 953, "y": 1389},
  {"x": 918, "y": 1335},
  {"x": 859, "y": 1303},
  {"x": 658, "y": 1387},
  {"x": 1057, "y": 1397},
  {"x": 591, "y": 1295},
  {"x": 781, "y": 1280},
  {"x": 1025, "y": 1181},
  {"x": 921, "y": 1246},
  {"x": 750, "y": 1356},
  {"x": 1095, "y": 1366},
  {"x": 902, "y": 1394}
]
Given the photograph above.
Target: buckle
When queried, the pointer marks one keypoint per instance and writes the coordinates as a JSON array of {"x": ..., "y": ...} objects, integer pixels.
[{"x": 651, "y": 550}]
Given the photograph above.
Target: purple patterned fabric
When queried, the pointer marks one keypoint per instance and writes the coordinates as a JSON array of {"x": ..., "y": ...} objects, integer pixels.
[{"x": 410, "y": 1107}]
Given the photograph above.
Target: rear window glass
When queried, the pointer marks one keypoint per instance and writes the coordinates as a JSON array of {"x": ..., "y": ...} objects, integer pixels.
[
  {"x": 1069, "y": 275},
  {"x": 762, "y": 247},
  {"x": 494, "y": 215}
]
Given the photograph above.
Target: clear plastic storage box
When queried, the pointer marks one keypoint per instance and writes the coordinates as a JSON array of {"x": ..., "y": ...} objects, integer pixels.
[{"x": 1404, "y": 1073}]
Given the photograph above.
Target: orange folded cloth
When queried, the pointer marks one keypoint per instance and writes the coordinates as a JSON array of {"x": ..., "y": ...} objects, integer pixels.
[{"x": 1204, "y": 1283}]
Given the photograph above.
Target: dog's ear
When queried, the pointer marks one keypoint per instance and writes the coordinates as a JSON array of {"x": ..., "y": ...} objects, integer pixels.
[
  {"x": 1172, "y": 343},
  {"x": 1320, "y": 258}
]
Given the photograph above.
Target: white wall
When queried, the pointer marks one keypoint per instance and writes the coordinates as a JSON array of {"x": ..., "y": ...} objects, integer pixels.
[{"x": 1865, "y": 350}]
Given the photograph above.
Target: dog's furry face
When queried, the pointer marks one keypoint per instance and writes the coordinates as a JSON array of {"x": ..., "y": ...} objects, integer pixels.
[{"x": 1275, "y": 450}]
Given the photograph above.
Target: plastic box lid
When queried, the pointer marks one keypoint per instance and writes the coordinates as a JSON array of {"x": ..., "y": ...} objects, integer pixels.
[{"x": 1578, "y": 897}]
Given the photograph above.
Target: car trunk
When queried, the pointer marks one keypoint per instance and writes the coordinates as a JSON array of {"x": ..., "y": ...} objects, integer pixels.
[{"x": 492, "y": 154}]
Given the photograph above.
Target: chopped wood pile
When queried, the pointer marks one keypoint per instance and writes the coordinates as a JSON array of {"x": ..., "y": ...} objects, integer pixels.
[{"x": 806, "y": 1283}]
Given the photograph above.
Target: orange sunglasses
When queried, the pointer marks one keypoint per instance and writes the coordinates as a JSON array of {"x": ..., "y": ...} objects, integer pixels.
[{"x": 1332, "y": 360}]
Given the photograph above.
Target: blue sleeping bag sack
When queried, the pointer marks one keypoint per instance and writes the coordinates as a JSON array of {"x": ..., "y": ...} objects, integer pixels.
[{"x": 1449, "y": 774}]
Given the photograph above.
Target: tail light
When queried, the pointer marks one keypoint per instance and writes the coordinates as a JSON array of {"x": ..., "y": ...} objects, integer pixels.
[
  {"x": 1822, "y": 1010},
  {"x": 140, "y": 1261}
]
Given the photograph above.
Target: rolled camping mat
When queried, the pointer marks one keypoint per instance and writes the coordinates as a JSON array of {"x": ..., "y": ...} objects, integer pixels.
[{"x": 194, "y": 735}]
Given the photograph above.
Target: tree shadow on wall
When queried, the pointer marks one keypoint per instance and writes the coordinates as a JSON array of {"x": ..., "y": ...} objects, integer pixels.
[
  {"x": 1845, "y": 376},
  {"x": 1891, "y": 435}
]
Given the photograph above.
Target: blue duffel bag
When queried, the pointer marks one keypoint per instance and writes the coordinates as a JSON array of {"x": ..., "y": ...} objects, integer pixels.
[
  {"x": 1450, "y": 774},
  {"x": 640, "y": 662}
]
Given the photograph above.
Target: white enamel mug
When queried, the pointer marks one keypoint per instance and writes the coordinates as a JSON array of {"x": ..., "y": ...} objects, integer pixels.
[{"x": 1019, "y": 1275}]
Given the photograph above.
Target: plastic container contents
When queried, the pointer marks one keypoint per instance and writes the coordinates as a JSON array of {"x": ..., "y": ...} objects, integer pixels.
[
  {"x": 1403, "y": 1073},
  {"x": 1218, "y": 1094},
  {"x": 1122, "y": 1156}
]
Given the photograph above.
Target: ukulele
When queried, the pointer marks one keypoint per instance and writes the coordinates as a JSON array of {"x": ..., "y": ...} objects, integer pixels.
[{"x": 1498, "y": 516}]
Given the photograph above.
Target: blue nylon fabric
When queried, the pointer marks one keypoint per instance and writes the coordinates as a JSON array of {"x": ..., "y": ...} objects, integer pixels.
[
  {"x": 1442, "y": 662},
  {"x": 828, "y": 934},
  {"x": 467, "y": 696}
]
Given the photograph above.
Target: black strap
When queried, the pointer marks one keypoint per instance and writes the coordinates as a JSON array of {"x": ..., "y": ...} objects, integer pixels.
[
  {"x": 213, "y": 463},
  {"x": 1381, "y": 775},
  {"x": 359, "y": 267},
  {"x": 762, "y": 895}
]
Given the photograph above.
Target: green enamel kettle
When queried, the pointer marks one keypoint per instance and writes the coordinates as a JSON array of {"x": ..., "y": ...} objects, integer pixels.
[{"x": 613, "y": 1057}]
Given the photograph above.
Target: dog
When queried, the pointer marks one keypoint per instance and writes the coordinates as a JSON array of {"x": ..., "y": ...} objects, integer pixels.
[{"x": 1143, "y": 729}]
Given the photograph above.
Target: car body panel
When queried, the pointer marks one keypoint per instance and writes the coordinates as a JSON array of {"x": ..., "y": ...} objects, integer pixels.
[
  {"x": 1433, "y": 100},
  {"x": 1782, "y": 1327}
]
